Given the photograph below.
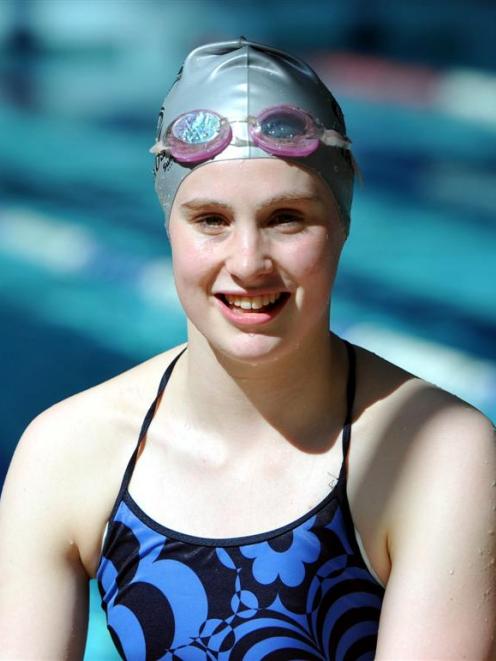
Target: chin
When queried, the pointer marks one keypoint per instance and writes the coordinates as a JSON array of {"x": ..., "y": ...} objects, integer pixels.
[{"x": 253, "y": 348}]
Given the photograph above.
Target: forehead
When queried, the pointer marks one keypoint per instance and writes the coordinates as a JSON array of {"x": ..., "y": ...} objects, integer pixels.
[{"x": 246, "y": 180}]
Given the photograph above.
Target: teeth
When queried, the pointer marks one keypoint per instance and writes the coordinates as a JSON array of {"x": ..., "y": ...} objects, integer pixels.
[{"x": 252, "y": 302}]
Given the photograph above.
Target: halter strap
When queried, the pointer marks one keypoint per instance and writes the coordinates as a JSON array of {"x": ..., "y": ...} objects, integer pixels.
[
  {"x": 350, "y": 399},
  {"x": 146, "y": 423}
]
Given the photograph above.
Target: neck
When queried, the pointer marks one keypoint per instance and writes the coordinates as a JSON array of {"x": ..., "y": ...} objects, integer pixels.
[{"x": 300, "y": 396}]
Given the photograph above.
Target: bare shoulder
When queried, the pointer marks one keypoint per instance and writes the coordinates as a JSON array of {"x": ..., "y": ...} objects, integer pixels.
[
  {"x": 96, "y": 421},
  {"x": 412, "y": 408},
  {"x": 412, "y": 443},
  {"x": 71, "y": 457}
]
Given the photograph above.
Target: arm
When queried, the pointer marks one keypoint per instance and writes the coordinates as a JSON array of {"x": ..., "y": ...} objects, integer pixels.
[
  {"x": 43, "y": 586},
  {"x": 440, "y": 600}
]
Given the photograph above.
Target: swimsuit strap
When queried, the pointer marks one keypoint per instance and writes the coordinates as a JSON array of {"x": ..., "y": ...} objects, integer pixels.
[
  {"x": 144, "y": 427},
  {"x": 350, "y": 398}
]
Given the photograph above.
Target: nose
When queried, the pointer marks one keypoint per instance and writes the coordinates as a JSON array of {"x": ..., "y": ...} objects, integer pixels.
[{"x": 248, "y": 254}]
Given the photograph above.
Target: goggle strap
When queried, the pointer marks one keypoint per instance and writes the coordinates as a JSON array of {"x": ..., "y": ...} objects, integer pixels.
[
  {"x": 159, "y": 148},
  {"x": 333, "y": 138}
]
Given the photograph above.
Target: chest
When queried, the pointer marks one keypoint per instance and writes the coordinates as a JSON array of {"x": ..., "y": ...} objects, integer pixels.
[{"x": 243, "y": 496}]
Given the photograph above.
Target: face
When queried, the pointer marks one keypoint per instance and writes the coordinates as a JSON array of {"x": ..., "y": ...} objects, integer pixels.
[{"x": 255, "y": 247}]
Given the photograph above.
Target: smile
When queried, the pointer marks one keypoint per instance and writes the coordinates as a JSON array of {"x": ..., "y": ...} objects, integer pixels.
[{"x": 258, "y": 309}]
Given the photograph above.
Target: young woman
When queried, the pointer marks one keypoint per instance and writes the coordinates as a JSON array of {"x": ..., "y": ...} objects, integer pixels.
[{"x": 288, "y": 495}]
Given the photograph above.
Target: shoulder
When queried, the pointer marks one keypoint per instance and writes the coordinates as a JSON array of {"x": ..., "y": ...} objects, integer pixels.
[
  {"x": 410, "y": 407},
  {"x": 446, "y": 456},
  {"x": 75, "y": 452},
  {"x": 422, "y": 446},
  {"x": 411, "y": 442},
  {"x": 94, "y": 420}
]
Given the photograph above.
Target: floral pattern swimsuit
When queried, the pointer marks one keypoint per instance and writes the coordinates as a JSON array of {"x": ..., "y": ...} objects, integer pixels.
[{"x": 302, "y": 591}]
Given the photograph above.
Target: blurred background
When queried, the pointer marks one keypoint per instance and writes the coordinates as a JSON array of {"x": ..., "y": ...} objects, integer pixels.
[{"x": 85, "y": 278}]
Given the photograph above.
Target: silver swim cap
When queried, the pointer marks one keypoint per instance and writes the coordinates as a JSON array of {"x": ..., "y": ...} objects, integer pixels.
[{"x": 238, "y": 80}]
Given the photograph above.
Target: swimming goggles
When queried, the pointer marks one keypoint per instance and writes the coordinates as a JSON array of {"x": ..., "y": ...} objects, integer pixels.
[{"x": 282, "y": 130}]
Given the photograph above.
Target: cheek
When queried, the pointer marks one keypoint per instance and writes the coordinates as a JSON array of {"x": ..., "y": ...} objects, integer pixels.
[
  {"x": 314, "y": 258},
  {"x": 191, "y": 262},
  {"x": 314, "y": 269}
]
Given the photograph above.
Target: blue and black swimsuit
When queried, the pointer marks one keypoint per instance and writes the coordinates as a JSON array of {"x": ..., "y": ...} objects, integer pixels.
[{"x": 302, "y": 591}]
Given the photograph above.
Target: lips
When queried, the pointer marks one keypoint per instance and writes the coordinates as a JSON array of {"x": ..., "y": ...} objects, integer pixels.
[{"x": 253, "y": 309}]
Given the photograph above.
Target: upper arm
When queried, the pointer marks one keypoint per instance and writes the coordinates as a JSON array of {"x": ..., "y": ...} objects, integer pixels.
[
  {"x": 44, "y": 588},
  {"x": 440, "y": 601}
]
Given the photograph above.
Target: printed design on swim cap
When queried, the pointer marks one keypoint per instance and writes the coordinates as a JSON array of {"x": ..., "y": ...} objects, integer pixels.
[
  {"x": 178, "y": 74},
  {"x": 283, "y": 130},
  {"x": 160, "y": 121},
  {"x": 158, "y": 157}
]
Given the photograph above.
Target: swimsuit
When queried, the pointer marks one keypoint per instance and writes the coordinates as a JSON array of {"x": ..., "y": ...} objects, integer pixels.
[{"x": 302, "y": 591}]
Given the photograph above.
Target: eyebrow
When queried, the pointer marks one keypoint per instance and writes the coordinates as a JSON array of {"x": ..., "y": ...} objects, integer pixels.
[{"x": 199, "y": 203}]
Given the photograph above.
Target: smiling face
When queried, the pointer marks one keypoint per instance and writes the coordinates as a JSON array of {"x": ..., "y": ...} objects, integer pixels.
[{"x": 255, "y": 247}]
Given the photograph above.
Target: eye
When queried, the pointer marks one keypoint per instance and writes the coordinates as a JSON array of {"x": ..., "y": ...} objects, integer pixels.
[
  {"x": 286, "y": 220},
  {"x": 211, "y": 223}
]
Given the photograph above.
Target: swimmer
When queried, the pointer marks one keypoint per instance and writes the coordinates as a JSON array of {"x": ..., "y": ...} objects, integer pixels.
[{"x": 266, "y": 490}]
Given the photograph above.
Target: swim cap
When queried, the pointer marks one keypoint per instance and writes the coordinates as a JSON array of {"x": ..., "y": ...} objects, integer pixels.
[{"x": 238, "y": 80}]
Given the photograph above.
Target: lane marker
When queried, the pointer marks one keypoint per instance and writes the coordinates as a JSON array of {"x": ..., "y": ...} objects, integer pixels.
[
  {"x": 61, "y": 247},
  {"x": 466, "y": 94},
  {"x": 54, "y": 245}
]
